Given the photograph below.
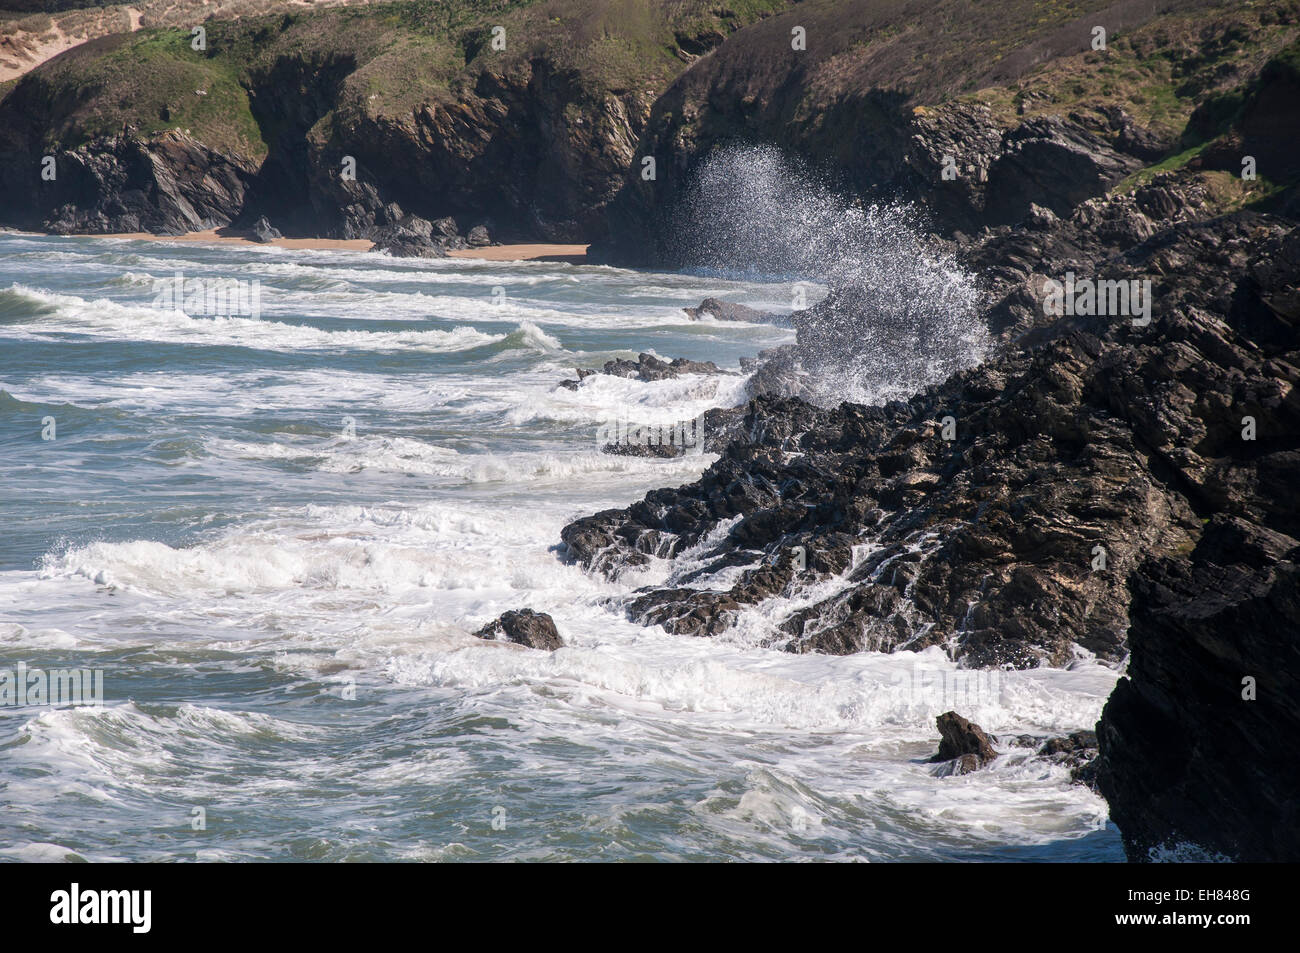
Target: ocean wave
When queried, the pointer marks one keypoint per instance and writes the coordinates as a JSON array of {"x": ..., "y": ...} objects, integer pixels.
[{"x": 108, "y": 319}]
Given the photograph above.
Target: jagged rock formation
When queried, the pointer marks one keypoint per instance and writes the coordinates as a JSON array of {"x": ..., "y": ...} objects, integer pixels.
[
  {"x": 536, "y": 630},
  {"x": 1088, "y": 445},
  {"x": 963, "y": 746},
  {"x": 647, "y": 367},
  {"x": 895, "y": 109},
  {"x": 169, "y": 185},
  {"x": 1193, "y": 740}
]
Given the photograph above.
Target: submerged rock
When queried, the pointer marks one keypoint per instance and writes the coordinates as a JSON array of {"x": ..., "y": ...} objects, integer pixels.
[
  {"x": 727, "y": 311},
  {"x": 524, "y": 627},
  {"x": 646, "y": 368}
]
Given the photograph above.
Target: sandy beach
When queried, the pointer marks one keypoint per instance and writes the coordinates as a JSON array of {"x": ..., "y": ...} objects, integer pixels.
[{"x": 572, "y": 254}]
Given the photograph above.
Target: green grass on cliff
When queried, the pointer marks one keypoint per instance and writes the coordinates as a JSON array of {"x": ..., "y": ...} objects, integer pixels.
[
  {"x": 386, "y": 60},
  {"x": 1158, "y": 73}
]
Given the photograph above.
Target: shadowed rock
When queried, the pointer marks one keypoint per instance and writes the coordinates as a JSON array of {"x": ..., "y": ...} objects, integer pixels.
[
  {"x": 1197, "y": 743},
  {"x": 264, "y": 232},
  {"x": 409, "y": 236},
  {"x": 169, "y": 185}
]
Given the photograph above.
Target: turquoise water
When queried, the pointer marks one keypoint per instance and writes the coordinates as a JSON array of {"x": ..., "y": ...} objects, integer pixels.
[{"x": 273, "y": 535}]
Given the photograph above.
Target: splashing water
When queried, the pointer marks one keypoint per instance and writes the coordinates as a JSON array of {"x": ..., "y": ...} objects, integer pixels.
[{"x": 901, "y": 313}]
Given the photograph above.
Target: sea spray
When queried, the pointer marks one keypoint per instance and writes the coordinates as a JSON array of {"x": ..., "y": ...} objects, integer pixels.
[
  {"x": 260, "y": 564},
  {"x": 900, "y": 313}
]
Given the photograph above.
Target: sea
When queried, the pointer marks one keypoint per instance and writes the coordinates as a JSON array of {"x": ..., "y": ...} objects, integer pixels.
[{"x": 261, "y": 499}]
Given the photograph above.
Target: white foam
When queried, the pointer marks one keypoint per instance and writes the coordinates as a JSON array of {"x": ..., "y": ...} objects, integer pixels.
[{"x": 107, "y": 319}]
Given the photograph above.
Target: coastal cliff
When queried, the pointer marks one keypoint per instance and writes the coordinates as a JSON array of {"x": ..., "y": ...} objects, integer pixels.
[{"x": 1113, "y": 481}]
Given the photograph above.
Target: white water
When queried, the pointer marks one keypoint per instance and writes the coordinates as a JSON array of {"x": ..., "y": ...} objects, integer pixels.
[{"x": 284, "y": 613}]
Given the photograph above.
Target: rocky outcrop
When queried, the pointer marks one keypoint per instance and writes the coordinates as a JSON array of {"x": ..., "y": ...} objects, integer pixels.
[
  {"x": 1002, "y": 512},
  {"x": 1052, "y": 163},
  {"x": 322, "y": 120},
  {"x": 264, "y": 232},
  {"x": 729, "y": 311},
  {"x": 168, "y": 185},
  {"x": 964, "y": 746},
  {"x": 975, "y": 123},
  {"x": 536, "y": 630},
  {"x": 955, "y": 159},
  {"x": 647, "y": 367},
  {"x": 1194, "y": 741}
]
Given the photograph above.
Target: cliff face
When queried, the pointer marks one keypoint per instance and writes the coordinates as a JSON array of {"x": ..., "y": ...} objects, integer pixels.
[
  {"x": 972, "y": 118},
  {"x": 1193, "y": 740},
  {"x": 533, "y": 133},
  {"x": 532, "y": 148}
]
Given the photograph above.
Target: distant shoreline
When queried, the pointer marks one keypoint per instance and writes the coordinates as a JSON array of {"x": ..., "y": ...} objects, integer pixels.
[{"x": 573, "y": 254}]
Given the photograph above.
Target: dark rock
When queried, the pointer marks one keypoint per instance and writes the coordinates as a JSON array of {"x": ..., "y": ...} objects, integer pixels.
[
  {"x": 524, "y": 627},
  {"x": 648, "y": 368},
  {"x": 169, "y": 184},
  {"x": 1078, "y": 751},
  {"x": 409, "y": 237},
  {"x": 410, "y": 248},
  {"x": 1071, "y": 748},
  {"x": 478, "y": 237},
  {"x": 1191, "y": 752},
  {"x": 263, "y": 231},
  {"x": 445, "y": 227},
  {"x": 1052, "y": 163},
  {"x": 1133, "y": 139},
  {"x": 962, "y": 742},
  {"x": 726, "y": 311},
  {"x": 1061, "y": 445}
]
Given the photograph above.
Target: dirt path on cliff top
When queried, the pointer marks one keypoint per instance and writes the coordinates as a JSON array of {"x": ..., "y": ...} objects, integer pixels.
[{"x": 29, "y": 41}]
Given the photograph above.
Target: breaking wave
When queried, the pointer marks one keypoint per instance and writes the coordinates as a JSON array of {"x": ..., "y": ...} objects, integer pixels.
[{"x": 901, "y": 312}]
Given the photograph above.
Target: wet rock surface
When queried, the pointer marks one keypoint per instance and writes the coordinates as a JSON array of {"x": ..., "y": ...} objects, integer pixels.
[
  {"x": 964, "y": 746},
  {"x": 730, "y": 311},
  {"x": 536, "y": 630},
  {"x": 1003, "y": 512},
  {"x": 647, "y": 367},
  {"x": 1192, "y": 740}
]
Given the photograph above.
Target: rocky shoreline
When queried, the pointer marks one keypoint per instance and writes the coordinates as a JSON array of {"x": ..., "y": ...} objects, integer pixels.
[
  {"x": 1109, "y": 472},
  {"x": 1117, "y": 484}
]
